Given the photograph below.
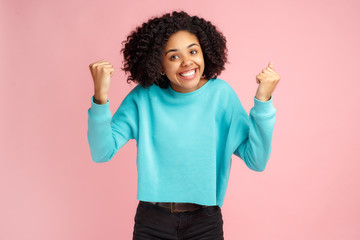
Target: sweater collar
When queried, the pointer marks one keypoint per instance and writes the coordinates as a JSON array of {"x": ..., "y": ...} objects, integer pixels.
[{"x": 192, "y": 94}]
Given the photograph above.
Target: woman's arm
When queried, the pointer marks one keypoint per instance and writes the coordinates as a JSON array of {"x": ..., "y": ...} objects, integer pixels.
[
  {"x": 106, "y": 133},
  {"x": 256, "y": 146}
]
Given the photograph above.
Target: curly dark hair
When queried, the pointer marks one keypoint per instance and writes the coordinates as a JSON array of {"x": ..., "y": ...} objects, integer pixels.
[{"x": 145, "y": 45}]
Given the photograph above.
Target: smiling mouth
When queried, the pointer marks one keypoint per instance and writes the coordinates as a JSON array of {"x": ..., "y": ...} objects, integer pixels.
[{"x": 189, "y": 73}]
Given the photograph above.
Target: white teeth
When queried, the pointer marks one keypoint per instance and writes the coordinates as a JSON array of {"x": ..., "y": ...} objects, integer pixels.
[{"x": 188, "y": 73}]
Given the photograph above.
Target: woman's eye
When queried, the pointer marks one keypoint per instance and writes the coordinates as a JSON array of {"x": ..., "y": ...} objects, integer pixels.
[
  {"x": 193, "y": 52},
  {"x": 173, "y": 57}
]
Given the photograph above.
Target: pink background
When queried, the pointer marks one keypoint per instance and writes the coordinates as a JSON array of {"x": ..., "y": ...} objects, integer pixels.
[{"x": 51, "y": 189}]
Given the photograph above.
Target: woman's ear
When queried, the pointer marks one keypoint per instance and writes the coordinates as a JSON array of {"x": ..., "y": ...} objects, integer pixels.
[{"x": 162, "y": 71}]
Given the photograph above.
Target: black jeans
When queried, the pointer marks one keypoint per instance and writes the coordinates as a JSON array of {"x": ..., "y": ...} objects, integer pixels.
[{"x": 155, "y": 222}]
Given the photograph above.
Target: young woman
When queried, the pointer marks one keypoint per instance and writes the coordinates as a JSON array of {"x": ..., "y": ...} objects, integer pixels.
[{"x": 187, "y": 124}]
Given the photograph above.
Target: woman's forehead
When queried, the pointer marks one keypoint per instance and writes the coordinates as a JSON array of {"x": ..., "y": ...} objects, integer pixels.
[{"x": 181, "y": 40}]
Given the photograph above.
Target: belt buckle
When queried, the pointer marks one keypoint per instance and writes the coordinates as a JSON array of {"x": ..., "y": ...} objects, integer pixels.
[{"x": 173, "y": 210}]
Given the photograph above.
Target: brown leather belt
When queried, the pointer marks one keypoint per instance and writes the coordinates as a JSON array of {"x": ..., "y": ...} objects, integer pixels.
[{"x": 179, "y": 207}]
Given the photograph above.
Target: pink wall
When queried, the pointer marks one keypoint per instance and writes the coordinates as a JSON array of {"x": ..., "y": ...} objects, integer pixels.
[{"x": 51, "y": 189}]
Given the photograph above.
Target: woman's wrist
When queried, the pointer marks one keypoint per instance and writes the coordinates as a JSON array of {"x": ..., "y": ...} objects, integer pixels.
[{"x": 100, "y": 100}]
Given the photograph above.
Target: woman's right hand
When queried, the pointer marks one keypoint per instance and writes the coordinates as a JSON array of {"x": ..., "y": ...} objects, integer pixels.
[{"x": 101, "y": 72}]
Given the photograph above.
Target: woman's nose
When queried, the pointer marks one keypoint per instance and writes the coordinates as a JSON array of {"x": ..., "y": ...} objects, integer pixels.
[{"x": 187, "y": 62}]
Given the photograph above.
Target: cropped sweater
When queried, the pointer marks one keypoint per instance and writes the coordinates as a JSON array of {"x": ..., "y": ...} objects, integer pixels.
[{"x": 185, "y": 141}]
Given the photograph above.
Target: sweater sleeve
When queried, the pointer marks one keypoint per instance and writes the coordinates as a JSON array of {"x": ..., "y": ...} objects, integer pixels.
[
  {"x": 255, "y": 146},
  {"x": 106, "y": 133}
]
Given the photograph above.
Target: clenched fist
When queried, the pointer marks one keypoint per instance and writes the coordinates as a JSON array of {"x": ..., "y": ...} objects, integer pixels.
[
  {"x": 101, "y": 72},
  {"x": 267, "y": 80}
]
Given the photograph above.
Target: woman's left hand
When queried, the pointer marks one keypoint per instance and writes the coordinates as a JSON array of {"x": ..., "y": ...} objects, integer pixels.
[{"x": 267, "y": 80}]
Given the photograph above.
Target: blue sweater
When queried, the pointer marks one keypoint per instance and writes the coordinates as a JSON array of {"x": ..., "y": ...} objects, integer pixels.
[{"x": 185, "y": 141}]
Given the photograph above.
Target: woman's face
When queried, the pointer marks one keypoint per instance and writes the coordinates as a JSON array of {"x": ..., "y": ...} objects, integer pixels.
[{"x": 183, "y": 62}]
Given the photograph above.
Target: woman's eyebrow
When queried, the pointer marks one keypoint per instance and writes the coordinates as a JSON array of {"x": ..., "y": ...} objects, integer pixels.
[{"x": 174, "y": 50}]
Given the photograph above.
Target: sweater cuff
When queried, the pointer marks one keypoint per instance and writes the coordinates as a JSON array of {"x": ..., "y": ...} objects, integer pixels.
[
  {"x": 263, "y": 108},
  {"x": 99, "y": 108}
]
